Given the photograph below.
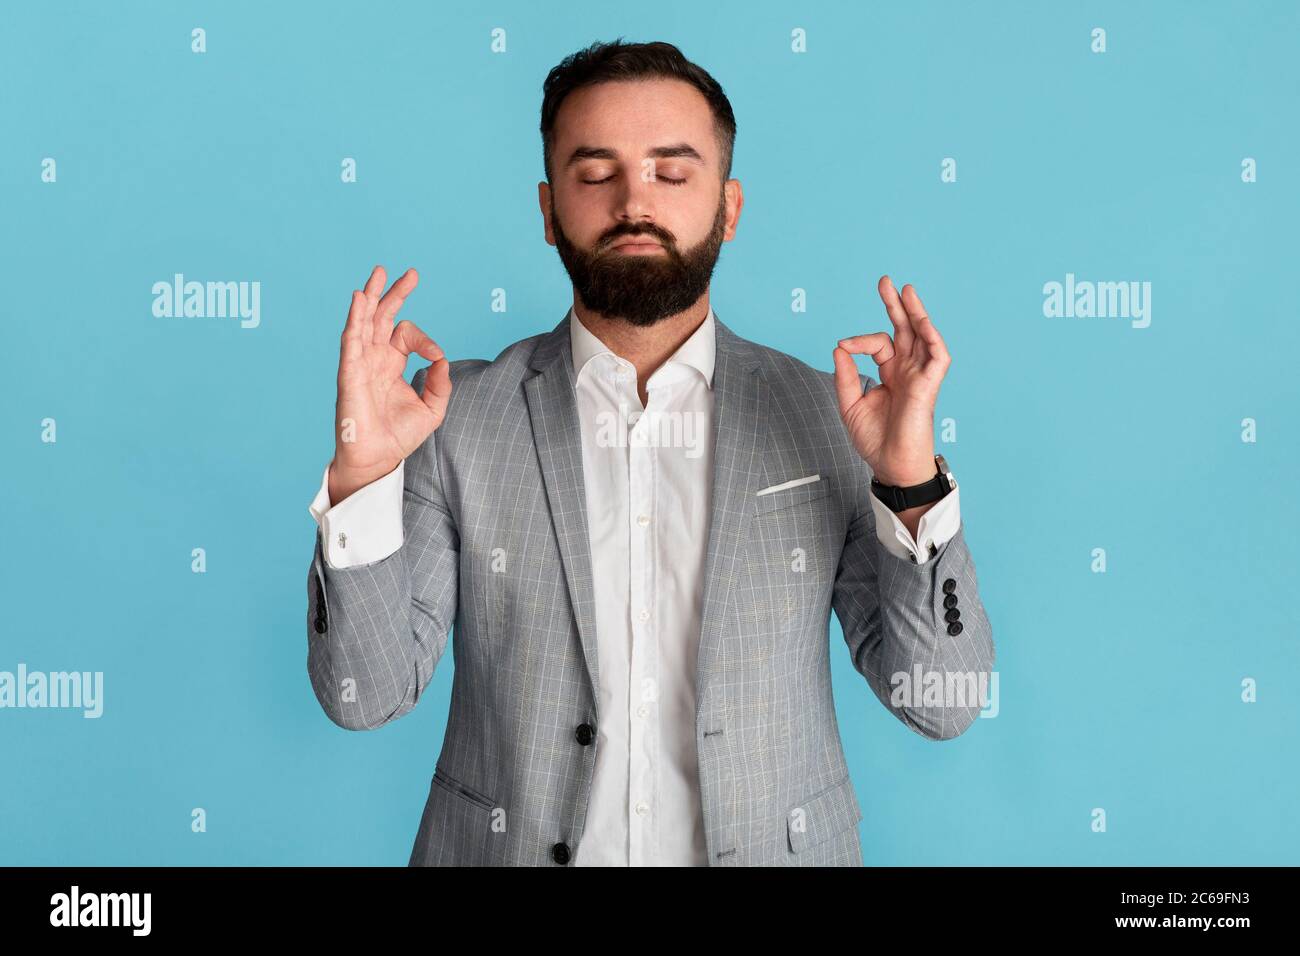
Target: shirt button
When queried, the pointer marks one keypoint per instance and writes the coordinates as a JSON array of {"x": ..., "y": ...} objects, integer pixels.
[
  {"x": 643, "y": 520},
  {"x": 642, "y": 808},
  {"x": 642, "y": 711},
  {"x": 644, "y": 615}
]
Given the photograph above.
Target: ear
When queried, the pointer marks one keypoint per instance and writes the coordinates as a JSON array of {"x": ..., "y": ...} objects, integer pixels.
[
  {"x": 735, "y": 201},
  {"x": 544, "y": 201}
]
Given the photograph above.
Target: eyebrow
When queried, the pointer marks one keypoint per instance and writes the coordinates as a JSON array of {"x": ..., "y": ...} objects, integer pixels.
[{"x": 683, "y": 150}]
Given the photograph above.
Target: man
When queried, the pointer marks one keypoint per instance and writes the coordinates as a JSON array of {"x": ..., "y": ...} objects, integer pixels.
[{"x": 638, "y": 523}]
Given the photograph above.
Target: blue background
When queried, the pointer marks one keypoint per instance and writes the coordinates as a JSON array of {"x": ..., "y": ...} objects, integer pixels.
[{"x": 1118, "y": 690}]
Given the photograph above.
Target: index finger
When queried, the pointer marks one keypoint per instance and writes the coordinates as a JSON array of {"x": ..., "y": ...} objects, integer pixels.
[
  {"x": 389, "y": 305},
  {"x": 903, "y": 336},
  {"x": 934, "y": 347}
]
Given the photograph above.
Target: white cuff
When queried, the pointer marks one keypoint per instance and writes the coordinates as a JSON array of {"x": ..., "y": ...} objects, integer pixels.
[
  {"x": 936, "y": 527},
  {"x": 364, "y": 527}
]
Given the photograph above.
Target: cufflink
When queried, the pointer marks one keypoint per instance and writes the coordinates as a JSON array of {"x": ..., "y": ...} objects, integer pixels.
[
  {"x": 343, "y": 540},
  {"x": 933, "y": 552}
]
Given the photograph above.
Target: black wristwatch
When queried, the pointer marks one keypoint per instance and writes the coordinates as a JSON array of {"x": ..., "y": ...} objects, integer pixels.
[{"x": 899, "y": 498}]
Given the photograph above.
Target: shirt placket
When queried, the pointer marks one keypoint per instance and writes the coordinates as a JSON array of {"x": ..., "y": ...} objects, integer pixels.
[{"x": 643, "y": 716}]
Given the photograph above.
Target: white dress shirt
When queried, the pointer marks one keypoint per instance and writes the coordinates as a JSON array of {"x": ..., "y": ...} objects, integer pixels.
[{"x": 648, "y": 473}]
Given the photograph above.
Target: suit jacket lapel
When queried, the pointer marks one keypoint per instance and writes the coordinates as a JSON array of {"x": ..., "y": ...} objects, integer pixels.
[
  {"x": 553, "y": 410},
  {"x": 740, "y": 401}
]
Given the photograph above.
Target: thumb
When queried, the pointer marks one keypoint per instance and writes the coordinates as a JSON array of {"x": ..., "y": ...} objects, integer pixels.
[
  {"x": 437, "y": 388},
  {"x": 848, "y": 386}
]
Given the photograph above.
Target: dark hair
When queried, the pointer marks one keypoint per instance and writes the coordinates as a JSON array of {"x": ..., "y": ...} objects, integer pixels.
[{"x": 611, "y": 62}]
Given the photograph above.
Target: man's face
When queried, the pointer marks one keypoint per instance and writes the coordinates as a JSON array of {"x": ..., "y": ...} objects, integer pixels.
[{"x": 637, "y": 208}]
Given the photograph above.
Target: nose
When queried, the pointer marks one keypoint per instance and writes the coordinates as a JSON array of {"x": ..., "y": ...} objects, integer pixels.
[{"x": 636, "y": 198}]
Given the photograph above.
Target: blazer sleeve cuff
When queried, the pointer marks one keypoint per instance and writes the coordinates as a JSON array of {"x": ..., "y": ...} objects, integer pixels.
[
  {"x": 366, "y": 526},
  {"x": 937, "y": 526}
]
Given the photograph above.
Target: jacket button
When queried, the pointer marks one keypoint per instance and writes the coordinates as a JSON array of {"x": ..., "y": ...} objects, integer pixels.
[
  {"x": 321, "y": 626},
  {"x": 560, "y": 853},
  {"x": 949, "y": 586},
  {"x": 954, "y": 628},
  {"x": 585, "y": 734},
  {"x": 952, "y": 615},
  {"x": 949, "y": 600}
]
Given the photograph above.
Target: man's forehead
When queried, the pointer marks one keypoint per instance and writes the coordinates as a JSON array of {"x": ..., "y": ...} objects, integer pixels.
[{"x": 638, "y": 116}]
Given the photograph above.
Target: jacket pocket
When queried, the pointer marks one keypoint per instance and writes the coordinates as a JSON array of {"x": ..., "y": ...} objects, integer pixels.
[
  {"x": 822, "y": 816},
  {"x": 789, "y": 497},
  {"x": 465, "y": 792}
]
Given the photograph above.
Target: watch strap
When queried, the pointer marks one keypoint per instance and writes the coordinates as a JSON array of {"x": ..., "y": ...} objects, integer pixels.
[{"x": 899, "y": 498}]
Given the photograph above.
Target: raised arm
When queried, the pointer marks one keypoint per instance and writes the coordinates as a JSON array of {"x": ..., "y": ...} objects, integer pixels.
[
  {"x": 915, "y": 624},
  {"x": 377, "y": 629}
]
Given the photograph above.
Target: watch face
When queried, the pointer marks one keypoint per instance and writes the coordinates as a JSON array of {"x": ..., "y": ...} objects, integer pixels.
[{"x": 948, "y": 480}]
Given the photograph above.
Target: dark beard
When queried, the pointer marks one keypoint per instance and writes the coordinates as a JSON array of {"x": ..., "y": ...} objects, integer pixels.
[{"x": 639, "y": 289}]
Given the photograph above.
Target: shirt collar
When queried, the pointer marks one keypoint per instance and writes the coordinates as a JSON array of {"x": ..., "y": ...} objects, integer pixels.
[{"x": 699, "y": 351}]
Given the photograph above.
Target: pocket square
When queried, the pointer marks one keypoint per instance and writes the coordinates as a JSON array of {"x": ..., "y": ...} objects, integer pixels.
[{"x": 791, "y": 484}]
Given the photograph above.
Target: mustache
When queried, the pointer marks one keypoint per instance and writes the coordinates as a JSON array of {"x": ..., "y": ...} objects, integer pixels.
[{"x": 610, "y": 240}]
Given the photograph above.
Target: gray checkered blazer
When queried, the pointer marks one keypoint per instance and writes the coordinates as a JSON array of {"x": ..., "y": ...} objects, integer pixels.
[{"x": 504, "y": 471}]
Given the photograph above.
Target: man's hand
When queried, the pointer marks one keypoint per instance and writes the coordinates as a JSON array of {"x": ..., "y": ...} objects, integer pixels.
[
  {"x": 892, "y": 424},
  {"x": 379, "y": 419}
]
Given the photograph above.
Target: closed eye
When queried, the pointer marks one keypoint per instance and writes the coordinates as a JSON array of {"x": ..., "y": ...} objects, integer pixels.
[{"x": 662, "y": 179}]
